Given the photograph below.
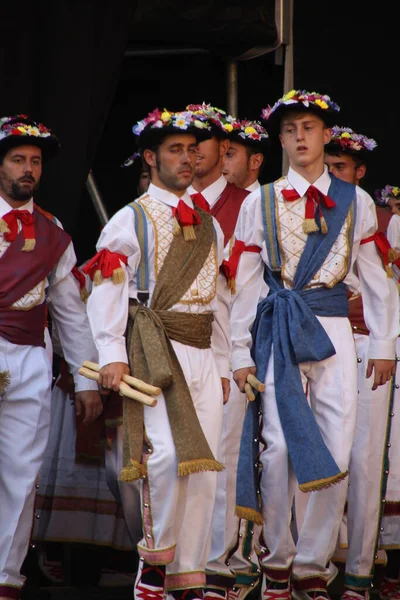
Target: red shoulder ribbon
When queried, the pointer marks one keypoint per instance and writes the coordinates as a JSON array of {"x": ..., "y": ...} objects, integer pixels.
[
  {"x": 229, "y": 267},
  {"x": 387, "y": 253},
  {"x": 106, "y": 264}
]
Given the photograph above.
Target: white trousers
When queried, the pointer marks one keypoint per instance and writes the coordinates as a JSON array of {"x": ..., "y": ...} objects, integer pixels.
[
  {"x": 390, "y": 534},
  {"x": 24, "y": 425},
  {"x": 177, "y": 511},
  {"x": 232, "y": 546},
  {"x": 332, "y": 392}
]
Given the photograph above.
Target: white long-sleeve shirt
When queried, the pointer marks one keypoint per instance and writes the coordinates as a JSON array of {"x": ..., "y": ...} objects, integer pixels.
[
  {"x": 379, "y": 302},
  {"x": 108, "y": 302},
  {"x": 61, "y": 293}
]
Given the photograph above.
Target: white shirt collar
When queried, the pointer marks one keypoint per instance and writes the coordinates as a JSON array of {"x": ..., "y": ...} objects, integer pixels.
[
  {"x": 253, "y": 186},
  {"x": 301, "y": 185},
  {"x": 168, "y": 197},
  {"x": 213, "y": 192},
  {"x": 6, "y": 208}
]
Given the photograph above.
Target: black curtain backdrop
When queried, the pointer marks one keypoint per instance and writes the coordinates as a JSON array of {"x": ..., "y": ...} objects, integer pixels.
[{"x": 60, "y": 62}]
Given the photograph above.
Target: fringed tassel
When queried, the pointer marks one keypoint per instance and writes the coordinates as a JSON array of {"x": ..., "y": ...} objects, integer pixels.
[
  {"x": 393, "y": 255},
  {"x": 29, "y": 245},
  {"x": 324, "y": 226},
  {"x": 97, "y": 278},
  {"x": 389, "y": 271},
  {"x": 309, "y": 226},
  {"x": 188, "y": 233},
  {"x": 321, "y": 484},
  {"x": 176, "y": 228},
  {"x": 198, "y": 466},
  {"x": 249, "y": 514},
  {"x": 4, "y": 227},
  {"x": 4, "y": 381},
  {"x": 84, "y": 295},
  {"x": 118, "y": 276},
  {"x": 133, "y": 472},
  {"x": 232, "y": 284}
]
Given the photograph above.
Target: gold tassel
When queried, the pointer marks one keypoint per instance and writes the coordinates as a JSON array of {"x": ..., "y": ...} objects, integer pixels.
[
  {"x": 188, "y": 233},
  {"x": 84, "y": 295},
  {"x": 309, "y": 226},
  {"x": 324, "y": 226},
  {"x": 134, "y": 472},
  {"x": 393, "y": 255},
  {"x": 232, "y": 285},
  {"x": 389, "y": 272},
  {"x": 176, "y": 228},
  {"x": 4, "y": 381},
  {"x": 4, "y": 227},
  {"x": 118, "y": 275},
  {"x": 320, "y": 484},
  {"x": 198, "y": 466},
  {"x": 98, "y": 277},
  {"x": 29, "y": 245},
  {"x": 249, "y": 514}
]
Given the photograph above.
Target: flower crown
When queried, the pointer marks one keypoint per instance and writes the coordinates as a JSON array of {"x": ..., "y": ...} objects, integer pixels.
[
  {"x": 347, "y": 139},
  {"x": 249, "y": 130},
  {"x": 382, "y": 195},
  {"x": 303, "y": 97},
  {"x": 16, "y": 126},
  {"x": 213, "y": 115},
  {"x": 158, "y": 119}
]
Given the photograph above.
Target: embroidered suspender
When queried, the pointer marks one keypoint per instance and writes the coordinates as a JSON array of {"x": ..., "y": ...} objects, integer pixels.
[
  {"x": 142, "y": 275},
  {"x": 270, "y": 227}
]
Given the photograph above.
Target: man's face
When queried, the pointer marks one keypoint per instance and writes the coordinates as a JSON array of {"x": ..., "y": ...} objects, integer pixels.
[
  {"x": 394, "y": 204},
  {"x": 20, "y": 173},
  {"x": 344, "y": 167},
  {"x": 144, "y": 181},
  {"x": 303, "y": 136},
  {"x": 208, "y": 156},
  {"x": 235, "y": 165},
  {"x": 172, "y": 166}
]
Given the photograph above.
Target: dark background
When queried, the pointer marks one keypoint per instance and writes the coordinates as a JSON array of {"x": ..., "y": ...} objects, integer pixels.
[{"x": 65, "y": 63}]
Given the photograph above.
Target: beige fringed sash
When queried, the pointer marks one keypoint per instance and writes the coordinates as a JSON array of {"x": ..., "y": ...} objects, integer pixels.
[{"x": 152, "y": 357}]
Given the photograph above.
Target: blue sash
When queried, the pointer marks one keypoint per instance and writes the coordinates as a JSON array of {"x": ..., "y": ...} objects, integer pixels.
[{"x": 286, "y": 322}]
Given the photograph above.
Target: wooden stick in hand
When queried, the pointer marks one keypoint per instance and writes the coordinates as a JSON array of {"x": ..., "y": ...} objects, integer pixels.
[
  {"x": 133, "y": 381},
  {"x": 249, "y": 392},
  {"x": 255, "y": 383},
  {"x": 124, "y": 388}
]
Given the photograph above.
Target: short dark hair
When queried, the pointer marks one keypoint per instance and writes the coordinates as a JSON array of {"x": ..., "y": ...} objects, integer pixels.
[
  {"x": 360, "y": 159},
  {"x": 251, "y": 150}
]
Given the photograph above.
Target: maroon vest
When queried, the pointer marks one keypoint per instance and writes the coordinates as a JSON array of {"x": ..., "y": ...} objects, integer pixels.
[
  {"x": 226, "y": 209},
  {"x": 20, "y": 272}
]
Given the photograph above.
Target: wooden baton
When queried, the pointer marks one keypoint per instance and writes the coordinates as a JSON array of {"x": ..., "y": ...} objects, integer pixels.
[
  {"x": 124, "y": 388},
  {"x": 133, "y": 381}
]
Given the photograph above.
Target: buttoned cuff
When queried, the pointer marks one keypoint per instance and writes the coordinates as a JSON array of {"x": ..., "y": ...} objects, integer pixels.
[
  {"x": 379, "y": 349},
  {"x": 224, "y": 368},
  {"x": 241, "y": 359},
  {"x": 113, "y": 353},
  {"x": 83, "y": 384}
]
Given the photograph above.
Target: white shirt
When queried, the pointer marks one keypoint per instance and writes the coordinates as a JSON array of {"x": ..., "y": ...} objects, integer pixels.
[
  {"x": 65, "y": 306},
  {"x": 393, "y": 235},
  {"x": 253, "y": 186},
  {"x": 213, "y": 192},
  {"x": 379, "y": 303},
  {"x": 108, "y": 302}
]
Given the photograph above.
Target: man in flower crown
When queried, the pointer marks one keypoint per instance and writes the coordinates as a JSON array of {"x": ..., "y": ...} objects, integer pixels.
[
  {"x": 245, "y": 157},
  {"x": 389, "y": 197},
  {"x": 346, "y": 156},
  {"x": 36, "y": 261},
  {"x": 157, "y": 271},
  {"x": 310, "y": 229}
]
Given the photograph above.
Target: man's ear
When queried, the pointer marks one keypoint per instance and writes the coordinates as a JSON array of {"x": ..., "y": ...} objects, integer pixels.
[
  {"x": 223, "y": 147},
  {"x": 150, "y": 158},
  {"x": 360, "y": 172},
  {"x": 256, "y": 161}
]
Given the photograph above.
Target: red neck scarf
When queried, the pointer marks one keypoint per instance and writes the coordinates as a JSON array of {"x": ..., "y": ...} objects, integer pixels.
[
  {"x": 185, "y": 218},
  {"x": 314, "y": 198},
  {"x": 200, "y": 201},
  {"x": 9, "y": 226}
]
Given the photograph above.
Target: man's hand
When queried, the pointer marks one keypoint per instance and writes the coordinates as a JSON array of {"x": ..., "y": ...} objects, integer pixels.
[
  {"x": 383, "y": 371},
  {"x": 88, "y": 405},
  {"x": 240, "y": 376},
  {"x": 111, "y": 375},
  {"x": 226, "y": 388}
]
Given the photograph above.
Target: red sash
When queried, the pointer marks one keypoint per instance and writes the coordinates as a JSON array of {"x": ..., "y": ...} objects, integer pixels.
[
  {"x": 20, "y": 272},
  {"x": 226, "y": 210}
]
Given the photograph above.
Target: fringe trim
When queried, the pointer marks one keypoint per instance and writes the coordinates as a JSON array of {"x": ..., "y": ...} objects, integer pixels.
[
  {"x": 324, "y": 226},
  {"x": 389, "y": 271},
  {"x": 29, "y": 245},
  {"x": 97, "y": 277},
  {"x": 84, "y": 295},
  {"x": 4, "y": 227},
  {"x": 250, "y": 514},
  {"x": 232, "y": 285},
  {"x": 309, "y": 226},
  {"x": 321, "y": 484},
  {"x": 176, "y": 228},
  {"x": 188, "y": 233},
  {"x": 118, "y": 276},
  {"x": 5, "y": 380},
  {"x": 188, "y": 467},
  {"x": 133, "y": 473},
  {"x": 393, "y": 255}
]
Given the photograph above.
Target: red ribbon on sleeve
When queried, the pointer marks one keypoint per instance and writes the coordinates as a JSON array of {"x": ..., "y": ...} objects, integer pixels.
[{"x": 105, "y": 264}]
